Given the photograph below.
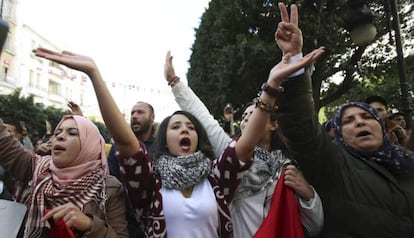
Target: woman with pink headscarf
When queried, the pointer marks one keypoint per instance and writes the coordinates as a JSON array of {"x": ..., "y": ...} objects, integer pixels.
[{"x": 71, "y": 189}]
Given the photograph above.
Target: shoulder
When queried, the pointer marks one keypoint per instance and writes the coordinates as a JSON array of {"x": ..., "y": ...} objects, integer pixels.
[
  {"x": 113, "y": 185},
  {"x": 112, "y": 181}
]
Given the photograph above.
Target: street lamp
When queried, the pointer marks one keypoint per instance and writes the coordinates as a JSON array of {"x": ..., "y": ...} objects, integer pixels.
[
  {"x": 360, "y": 22},
  {"x": 361, "y": 13}
]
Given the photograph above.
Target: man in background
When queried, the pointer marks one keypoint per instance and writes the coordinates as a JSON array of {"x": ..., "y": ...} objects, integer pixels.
[
  {"x": 396, "y": 133},
  {"x": 142, "y": 124}
]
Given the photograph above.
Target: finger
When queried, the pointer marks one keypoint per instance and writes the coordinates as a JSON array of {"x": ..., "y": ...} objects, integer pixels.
[
  {"x": 44, "y": 51},
  {"x": 168, "y": 56},
  {"x": 294, "y": 16},
  {"x": 292, "y": 168},
  {"x": 286, "y": 58},
  {"x": 290, "y": 177},
  {"x": 50, "y": 214},
  {"x": 282, "y": 33},
  {"x": 290, "y": 174},
  {"x": 68, "y": 53},
  {"x": 283, "y": 12},
  {"x": 290, "y": 184}
]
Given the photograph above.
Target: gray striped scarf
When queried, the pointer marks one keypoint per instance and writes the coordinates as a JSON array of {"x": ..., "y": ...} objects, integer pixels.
[{"x": 183, "y": 171}]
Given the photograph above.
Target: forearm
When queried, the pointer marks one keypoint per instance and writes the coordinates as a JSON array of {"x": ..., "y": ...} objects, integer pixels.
[
  {"x": 116, "y": 124},
  {"x": 188, "y": 101},
  {"x": 298, "y": 119}
]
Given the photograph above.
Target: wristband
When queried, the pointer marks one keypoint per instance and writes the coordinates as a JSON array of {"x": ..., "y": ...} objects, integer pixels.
[
  {"x": 274, "y": 92},
  {"x": 172, "y": 81}
]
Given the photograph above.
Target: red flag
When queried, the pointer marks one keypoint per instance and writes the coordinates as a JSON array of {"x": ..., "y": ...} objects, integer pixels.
[{"x": 283, "y": 220}]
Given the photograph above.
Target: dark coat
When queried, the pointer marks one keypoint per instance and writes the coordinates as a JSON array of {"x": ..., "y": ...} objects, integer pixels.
[{"x": 360, "y": 197}]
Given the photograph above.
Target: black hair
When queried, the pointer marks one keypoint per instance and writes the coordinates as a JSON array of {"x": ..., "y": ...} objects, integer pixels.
[
  {"x": 278, "y": 141},
  {"x": 160, "y": 143},
  {"x": 395, "y": 114},
  {"x": 149, "y": 105},
  {"x": 376, "y": 98}
]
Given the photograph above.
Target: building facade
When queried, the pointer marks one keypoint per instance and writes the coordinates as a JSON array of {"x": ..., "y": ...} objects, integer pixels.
[{"x": 49, "y": 83}]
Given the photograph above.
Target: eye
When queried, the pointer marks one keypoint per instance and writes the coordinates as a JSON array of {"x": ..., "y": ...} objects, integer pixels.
[
  {"x": 347, "y": 120},
  {"x": 367, "y": 116},
  {"x": 175, "y": 126},
  {"x": 74, "y": 132},
  {"x": 57, "y": 132}
]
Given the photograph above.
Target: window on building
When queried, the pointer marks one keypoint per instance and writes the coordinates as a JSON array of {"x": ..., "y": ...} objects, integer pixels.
[
  {"x": 38, "y": 81},
  {"x": 53, "y": 88},
  {"x": 32, "y": 82}
]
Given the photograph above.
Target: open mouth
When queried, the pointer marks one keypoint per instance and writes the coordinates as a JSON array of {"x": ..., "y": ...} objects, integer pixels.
[
  {"x": 185, "y": 144},
  {"x": 58, "y": 148},
  {"x": 363, "y": 133}
]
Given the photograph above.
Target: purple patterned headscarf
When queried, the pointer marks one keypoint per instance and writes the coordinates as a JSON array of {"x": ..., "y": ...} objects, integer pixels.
[{"x": 388, "y": 155}]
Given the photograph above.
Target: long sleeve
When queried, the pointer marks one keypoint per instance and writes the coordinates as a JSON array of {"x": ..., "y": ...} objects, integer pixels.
[
  {"x": 14, "y": 157},
  {"x": 311, "y": 214},
  {"x": 306, "y": 139},
  {"x": 188, "y": 101}
]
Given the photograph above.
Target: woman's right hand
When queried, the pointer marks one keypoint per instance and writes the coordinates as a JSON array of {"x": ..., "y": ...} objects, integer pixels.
[
  {"x": 71, "y": 215},
  {"x": 69, "y": 59}
]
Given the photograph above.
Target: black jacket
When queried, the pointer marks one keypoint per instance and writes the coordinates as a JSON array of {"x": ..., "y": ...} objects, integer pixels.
[{"x": 360, "y": 197}]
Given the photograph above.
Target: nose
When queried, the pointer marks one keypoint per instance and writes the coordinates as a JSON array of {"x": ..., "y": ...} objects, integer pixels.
[
  {"x": 184, "y": 130},
  {"x": 134, "y": 115},
  {"x": 60, "y": 136},
  {"x": 359, "y": 121}
]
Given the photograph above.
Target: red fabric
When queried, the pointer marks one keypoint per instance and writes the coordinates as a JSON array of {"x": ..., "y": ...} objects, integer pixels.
[
  {"x": 59, "y": 230},
  {"x": 283, "y": 220}
]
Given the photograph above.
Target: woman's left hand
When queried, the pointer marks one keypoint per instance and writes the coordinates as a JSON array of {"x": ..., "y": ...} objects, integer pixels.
[
  {"x": 71, "y": 215},
  {"x": 295, "y": 180},
  {"x": 284, "y": 69}
]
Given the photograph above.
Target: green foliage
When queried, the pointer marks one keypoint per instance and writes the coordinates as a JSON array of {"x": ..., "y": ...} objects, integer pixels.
[
  {"x": 15, "y": 108},
  {"x": 234, "y": 51},
  {"x": 104, "y": 132}
]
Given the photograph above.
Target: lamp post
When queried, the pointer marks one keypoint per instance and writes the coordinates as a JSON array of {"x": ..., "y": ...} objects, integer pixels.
[
  {"x": 362, "y": 16},
  {"x": 405, "y": 103}
]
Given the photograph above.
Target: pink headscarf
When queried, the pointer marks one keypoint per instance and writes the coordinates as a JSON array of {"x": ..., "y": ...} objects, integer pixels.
[
  {"x": 80, "y": 182},
  {"x": 91, "y": 156}
]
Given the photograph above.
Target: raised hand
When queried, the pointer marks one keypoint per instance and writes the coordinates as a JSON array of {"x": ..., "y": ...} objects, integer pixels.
[
  {"x": 48, "y": 127},
  {"x": 169, "y": 72},
  {"x": 288, "y": 36},
  {"x": 75, "y": 108},
  {"x": 23, "y": 127},
  {"x": 69, "y": 59},
  {"x": 282, "y": 70}
]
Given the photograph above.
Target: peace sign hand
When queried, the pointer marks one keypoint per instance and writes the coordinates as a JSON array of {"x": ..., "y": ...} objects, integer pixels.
[{"x": 288, "y": 36}]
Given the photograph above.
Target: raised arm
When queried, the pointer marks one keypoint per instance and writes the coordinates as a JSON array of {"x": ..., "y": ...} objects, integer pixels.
[
  {"x": 188, "y": 101},
  {"x": 127, "y": 142},
  {"x": 266, "y": 102}
]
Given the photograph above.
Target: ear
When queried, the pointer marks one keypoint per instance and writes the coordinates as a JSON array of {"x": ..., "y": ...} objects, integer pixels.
[{"x": 275, "y": 126}]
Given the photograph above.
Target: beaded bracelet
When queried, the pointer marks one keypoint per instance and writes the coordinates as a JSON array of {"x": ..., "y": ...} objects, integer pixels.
[
  {"x": 173, "y": 80},
  {"x": 265, "y": 107}
]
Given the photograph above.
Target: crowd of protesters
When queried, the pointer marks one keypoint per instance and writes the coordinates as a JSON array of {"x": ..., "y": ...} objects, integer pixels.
[{"x": 283, "y": 175}]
